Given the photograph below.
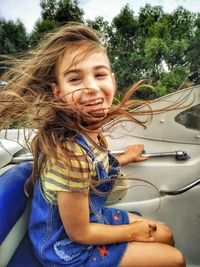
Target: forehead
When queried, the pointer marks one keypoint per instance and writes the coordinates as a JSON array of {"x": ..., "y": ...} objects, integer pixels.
[{"x": 76, "y": 57}]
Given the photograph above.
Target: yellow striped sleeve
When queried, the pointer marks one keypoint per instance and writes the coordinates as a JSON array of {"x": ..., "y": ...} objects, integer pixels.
[{"x": 56, "y": 177}]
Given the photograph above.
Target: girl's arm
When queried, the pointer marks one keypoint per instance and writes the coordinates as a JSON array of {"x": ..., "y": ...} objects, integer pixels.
[
  {"x": 132, "y": 154},
  {"x": 74, "y": 212}
]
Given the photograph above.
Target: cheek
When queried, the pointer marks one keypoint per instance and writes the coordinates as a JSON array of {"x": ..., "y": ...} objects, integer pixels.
[
  {"x": 109, "y": 99},
  {"x": 68, "y": 99},
  {"x": 73, "y": 98},
  {"x": 110, "y": 93}
]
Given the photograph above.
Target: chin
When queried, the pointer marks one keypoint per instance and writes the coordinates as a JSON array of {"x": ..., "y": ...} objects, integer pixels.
[{"x": 93, "y": 118}]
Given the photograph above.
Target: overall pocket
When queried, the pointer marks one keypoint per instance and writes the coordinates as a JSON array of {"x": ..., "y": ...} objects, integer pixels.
[{"x": 72, "y": 252}]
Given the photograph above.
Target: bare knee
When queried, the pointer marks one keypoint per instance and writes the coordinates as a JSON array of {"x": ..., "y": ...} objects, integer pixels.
[
  {"x": 179, "y": 259},
  {"x": 166, "y": 235},
  {"x": 169, "y": 236},
  {"x": 156, "y": 255}
]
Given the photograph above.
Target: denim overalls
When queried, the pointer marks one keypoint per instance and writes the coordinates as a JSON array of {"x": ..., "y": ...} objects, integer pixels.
[{"x": 50, "y": 241}]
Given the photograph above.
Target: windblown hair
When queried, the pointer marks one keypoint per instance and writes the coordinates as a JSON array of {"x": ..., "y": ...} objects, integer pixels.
[{"x": 28, "y": 99}]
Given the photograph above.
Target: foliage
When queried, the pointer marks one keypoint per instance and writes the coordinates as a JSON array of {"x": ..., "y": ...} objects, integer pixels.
[
  {"x": 193, "y": 56},
  {"x": 68, "y": 10},
  {"x": 162, "y": 48},
  {"x": 48, "y": 9},
  {"x": 124, "y": 48},
  {"x": 102, "y": 26},
  {"x": 156, "y": 46},
  {"x": 61, "y": 11},
  {"x": 54, "y": 14},
  {"x": 175, "y": 79},
  {"x": 155, "y": 51},
  {"x": 148, "y": 17},
  {"x": 40, "y": 29},
  {"x": 181, "y": 23},
  {"x": 13, "y": 37}
]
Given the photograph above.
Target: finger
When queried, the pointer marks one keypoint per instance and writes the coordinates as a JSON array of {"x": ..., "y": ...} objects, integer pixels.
[
  {"x": 139, "y": 145},
  {"x": 142, "y": 158},
  {"x": 153, "y": 226},
  {"x": 146, "y": 239},
  {"x": 151, "y": 239}
]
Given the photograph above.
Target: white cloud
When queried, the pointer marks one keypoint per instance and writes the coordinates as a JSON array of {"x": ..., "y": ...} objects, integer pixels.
[
  {"x": 103, "y": 8},
  {"x": 171, "y": 5},
  {"x": 110, "y": 8},
  {"x": 28, "y": 11}
]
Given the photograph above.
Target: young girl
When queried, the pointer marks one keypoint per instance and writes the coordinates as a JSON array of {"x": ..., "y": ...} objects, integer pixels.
[{"x": 65, "y": 89}]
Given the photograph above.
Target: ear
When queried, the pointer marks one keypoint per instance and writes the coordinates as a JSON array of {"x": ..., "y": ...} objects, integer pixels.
[{"x": 55, "y": 89}]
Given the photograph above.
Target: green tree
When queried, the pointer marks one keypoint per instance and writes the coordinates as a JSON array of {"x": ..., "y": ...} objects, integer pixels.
[
  {"x": 125, "y": 27},
  {"x": 193, "y": 55},
  {"x": 155, "y": 51},
  {"x": 68, "y": 10},
  {"x": 49, "y": 8},
  {"x": 177, "y": 53},
  {"x": 54, "y": 14},
  {"x": 148, "y": 17},
  {"x": 13, "y": 37},
  {"x": 61, "y": 11},
  {"x": 101, "y": 25},
  {"x": 40, "y": 29},
  {"x": 181, "y": 24},
  {"x": 165, "y": 46},
  {"x": 172, "y": 80},
  {"x": 180, "y": 28},
  {"x": 124, "y": 48}
]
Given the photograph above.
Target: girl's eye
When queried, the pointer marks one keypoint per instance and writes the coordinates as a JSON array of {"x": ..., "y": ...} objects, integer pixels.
[
  {"x": 101, "y": 74},
  {"x": 74, "y": 79}
]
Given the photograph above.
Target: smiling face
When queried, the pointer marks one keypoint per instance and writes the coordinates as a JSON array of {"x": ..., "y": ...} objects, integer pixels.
[{"x": 86, "y": 80}]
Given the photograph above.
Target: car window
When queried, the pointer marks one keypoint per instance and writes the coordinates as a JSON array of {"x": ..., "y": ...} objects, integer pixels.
[{"x": 190, "y": 118}]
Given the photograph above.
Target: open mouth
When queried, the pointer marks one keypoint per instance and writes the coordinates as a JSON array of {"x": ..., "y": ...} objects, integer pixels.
[
  {"x": 93, "y": 106},
  {"x": 94, "y": 102},
  {"x": 93, "y": 110}
]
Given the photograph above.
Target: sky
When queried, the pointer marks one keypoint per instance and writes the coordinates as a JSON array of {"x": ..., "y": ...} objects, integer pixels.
[{"x": 28, "y": 11}]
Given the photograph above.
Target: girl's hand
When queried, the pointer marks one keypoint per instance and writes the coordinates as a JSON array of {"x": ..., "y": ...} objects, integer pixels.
[
  {"x": 132, "y": 154},
  {"x": 141, "y": 231}
]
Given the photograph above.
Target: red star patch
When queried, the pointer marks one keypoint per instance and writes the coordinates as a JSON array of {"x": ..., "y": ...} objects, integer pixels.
[
  {"x": 116, "y": 217},
  {"x": 103, "y": 251}
]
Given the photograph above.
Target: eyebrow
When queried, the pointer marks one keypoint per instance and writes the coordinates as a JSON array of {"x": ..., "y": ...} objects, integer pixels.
[{"x": 66, "y": 72}]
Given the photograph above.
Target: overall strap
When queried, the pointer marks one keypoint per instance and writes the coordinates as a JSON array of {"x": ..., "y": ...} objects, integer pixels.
[
  {"x": 81, "y": 141},
  {"x": 114, "y": 168}
]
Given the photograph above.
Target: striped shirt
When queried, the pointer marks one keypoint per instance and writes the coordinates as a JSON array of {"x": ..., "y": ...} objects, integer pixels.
[{"x": 55, "y": 177}]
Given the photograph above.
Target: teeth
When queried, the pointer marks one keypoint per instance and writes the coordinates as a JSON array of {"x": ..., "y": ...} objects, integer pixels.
[{"x": 95, "y": 102}]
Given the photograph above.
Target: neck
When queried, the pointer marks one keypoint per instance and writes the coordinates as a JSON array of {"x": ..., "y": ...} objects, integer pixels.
[{"x": 94, "y": 136}]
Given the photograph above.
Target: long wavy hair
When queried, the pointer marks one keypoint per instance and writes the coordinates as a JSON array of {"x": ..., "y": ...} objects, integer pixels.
[{"x": 28, "y": 99}]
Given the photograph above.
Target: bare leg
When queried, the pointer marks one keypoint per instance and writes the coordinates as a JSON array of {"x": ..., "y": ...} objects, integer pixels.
[
  {"x": 140, "y": 254},
  {"x": 162, "y": 234}
]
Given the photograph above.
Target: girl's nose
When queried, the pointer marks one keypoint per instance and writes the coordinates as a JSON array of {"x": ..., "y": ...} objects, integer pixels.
[{"x": 91, "y": 84}]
